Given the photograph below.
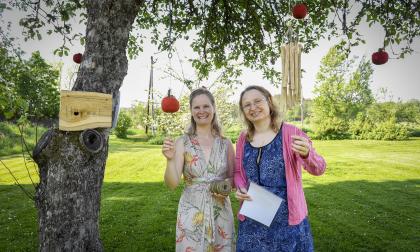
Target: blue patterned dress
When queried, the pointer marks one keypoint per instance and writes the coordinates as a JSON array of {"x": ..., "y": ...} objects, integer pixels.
[{"x": 265, "y": 166}]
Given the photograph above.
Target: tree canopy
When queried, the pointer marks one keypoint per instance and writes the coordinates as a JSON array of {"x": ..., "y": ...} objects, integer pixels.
[
  {"x": 340, "y": 93},
  {"x": 246, "y": 33}
]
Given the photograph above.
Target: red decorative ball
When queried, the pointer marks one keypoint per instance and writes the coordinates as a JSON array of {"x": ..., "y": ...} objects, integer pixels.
[
  {"x": 380, "y": 57},
  {"x": 300, "y": 11},
  {"x": 169, "y": 103},
  {"x": 77, "y": 58}
]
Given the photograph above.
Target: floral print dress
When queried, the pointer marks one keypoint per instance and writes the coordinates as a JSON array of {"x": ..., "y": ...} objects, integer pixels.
[{"x": 204, "y": 222}]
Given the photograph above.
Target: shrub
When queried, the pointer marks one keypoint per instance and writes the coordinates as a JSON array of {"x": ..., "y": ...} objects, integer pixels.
[
  {"x": 124, "y": 122},
  {"x": 330, "y": 128},
  {"x": 158, "y": 139},
  {"x": 364, "y": 127},
  {"x": 389, "y": 130}
]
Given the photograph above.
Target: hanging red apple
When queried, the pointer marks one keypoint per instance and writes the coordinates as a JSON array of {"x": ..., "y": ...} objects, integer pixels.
[
  {"x": 380, "y": 57},
  {"x": 77, "y": 58},
  {"x": 299, "y": 11},
  {"x": 169, "y": 103}
]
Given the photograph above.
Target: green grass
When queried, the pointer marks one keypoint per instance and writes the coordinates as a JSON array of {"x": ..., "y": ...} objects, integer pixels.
[
  {"x": 368, "y": 200},
  {"x": 10, "y": 138}
]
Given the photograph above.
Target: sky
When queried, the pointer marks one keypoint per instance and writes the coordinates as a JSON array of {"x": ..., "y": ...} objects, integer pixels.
[{"x": 401, "y": 77}]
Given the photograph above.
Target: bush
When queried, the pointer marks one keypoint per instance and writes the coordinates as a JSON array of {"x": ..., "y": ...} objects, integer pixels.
[
  {"x": 330, "y": 128},
  {"x": 366, "y": 128},
  {"x": 124, "y": 122},
  {"x": 158, "y": 139},
  {"x": 390, "y": 130}
]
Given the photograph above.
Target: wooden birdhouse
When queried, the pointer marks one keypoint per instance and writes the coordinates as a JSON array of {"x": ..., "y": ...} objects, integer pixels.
[{"x": 84, "y": 110}]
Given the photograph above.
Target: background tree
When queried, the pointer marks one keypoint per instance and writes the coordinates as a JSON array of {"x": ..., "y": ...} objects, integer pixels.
[
  {"x": 339, "y": 97},
  {"x": 137, "y": 112},
  {"x": 227, "y": 111},
  {"x": 28, "y": 87},
  {"x": 246, "y": 32},
  {"x": 295, "y": 114},
  {"x": 11, "y": 104},
  {"x": 344, "y": 106},
  {"x": 37, "y": 84}
]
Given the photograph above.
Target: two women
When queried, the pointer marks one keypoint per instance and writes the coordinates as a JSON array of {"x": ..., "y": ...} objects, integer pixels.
[{"x": 269, "y": 153}]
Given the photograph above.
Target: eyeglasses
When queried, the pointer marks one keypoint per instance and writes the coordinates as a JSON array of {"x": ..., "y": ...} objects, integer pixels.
[{"x": 257, "y": 103}]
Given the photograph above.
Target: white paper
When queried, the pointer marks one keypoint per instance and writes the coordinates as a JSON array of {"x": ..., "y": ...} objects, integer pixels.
[{"x": 263, "y": 206}]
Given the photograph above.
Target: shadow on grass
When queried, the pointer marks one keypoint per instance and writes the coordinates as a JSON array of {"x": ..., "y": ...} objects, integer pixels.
[
  {"x": 365, "y": 215},
  {"x": 345, "y": 216}
]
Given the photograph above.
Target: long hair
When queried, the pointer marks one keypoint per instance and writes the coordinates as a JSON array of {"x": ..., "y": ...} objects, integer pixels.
[
  {"x": 274, "y": 112},
  {"x": 216, "y": 129}
]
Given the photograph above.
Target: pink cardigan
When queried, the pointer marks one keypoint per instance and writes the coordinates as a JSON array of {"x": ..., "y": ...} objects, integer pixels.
[{"x": 314, "y": 164}]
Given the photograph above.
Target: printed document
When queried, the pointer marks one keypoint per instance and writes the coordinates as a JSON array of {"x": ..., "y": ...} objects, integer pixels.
[{"x": 263, "y": 206}]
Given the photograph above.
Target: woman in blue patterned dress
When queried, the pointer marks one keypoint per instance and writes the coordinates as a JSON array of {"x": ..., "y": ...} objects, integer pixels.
[{"x": 271, "y": 154}]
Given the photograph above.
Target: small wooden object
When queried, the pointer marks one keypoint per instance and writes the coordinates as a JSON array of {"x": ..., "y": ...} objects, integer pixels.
[{"x": 85, "y": 110}]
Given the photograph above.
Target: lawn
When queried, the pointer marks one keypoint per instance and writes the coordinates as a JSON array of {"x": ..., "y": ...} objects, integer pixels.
[{"x": 368, "y": 199}]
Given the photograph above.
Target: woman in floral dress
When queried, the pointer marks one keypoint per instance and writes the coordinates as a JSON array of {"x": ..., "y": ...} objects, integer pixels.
[{"x": 202, "y": 155}]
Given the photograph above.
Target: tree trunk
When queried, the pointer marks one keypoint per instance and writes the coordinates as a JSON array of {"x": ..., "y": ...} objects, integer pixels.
[{"x": 72, "y": 164}]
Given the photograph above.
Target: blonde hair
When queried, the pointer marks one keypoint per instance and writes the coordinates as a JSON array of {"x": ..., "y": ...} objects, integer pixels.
[
  {"x": 274, "y": 112},
  {"x": 215, "y": 126}
]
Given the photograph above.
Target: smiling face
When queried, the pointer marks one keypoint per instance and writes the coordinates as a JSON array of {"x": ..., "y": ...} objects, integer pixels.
[
  {"x": 255, "y": 106},
  {"x": 202, "y": 110}
]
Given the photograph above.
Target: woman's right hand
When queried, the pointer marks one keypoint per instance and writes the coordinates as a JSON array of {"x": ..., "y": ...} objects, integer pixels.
[
  {"x": 168, "y": 148},
  {"x": 241, "y": 194}
]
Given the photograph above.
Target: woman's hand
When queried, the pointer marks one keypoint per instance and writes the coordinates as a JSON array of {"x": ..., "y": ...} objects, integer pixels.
[
  {"x": 300, "y": 145},
  {"x": 168, "y": 148},
  {"x": 219, "y": 196},
  {"x": 241, "y": 194}
]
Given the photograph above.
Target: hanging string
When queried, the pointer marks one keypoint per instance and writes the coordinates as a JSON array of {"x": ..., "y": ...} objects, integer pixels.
[
  {"x": 170, "y": 43},
  {"x": 170, "y": 69},
  {"x": 183, "y": 75}
]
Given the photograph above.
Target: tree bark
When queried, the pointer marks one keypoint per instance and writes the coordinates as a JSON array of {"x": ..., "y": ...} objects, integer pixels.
[{"x": 71, "y": 172}]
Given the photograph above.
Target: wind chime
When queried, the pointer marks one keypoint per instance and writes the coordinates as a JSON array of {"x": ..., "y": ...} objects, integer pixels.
[{"x": 291, "y": 86}]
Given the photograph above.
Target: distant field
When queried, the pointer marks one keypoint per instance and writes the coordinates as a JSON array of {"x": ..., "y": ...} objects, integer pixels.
[{"x": 368, "y": 200}]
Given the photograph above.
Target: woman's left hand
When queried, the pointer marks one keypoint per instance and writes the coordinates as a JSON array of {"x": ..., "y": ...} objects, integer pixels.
[{"x": 300, "y": 145}]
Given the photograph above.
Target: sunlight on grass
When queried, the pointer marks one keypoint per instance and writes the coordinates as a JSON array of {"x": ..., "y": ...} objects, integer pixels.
[{"x": 368, "y": 199}]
